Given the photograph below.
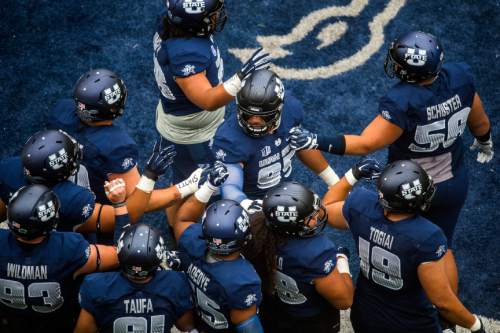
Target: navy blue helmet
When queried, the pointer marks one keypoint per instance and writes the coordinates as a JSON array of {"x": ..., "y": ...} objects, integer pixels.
[
  {"x": 141, "y": 250},
  {"x": 291, "y": 207},
  {"x": 200, "y": 17},
  {"x": 414, "y": 57},
  {"x": 50, "y": 157},
  {"x": 404, "y": 187},
  {"x": 262, "y": 94},
  {"x": 99, "y": 94},
  {"x": 33, "y": 211},
  {"x": 226, "y": 227}
]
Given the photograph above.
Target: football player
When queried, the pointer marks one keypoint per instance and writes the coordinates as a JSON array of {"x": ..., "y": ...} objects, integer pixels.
[
  {"x": 189, "y": 71},
  {"x": 403, "y": 283},
  {"x": 50, "y": 157},
  {"x": 142, "y": 295},
  {"x": 311, "y": 278},
  {"x": 423, "y": 118},
  {"x": 253, "y": 142},
  {"x": 38, "y": 266},
  {"x": 225, "y": 286}
]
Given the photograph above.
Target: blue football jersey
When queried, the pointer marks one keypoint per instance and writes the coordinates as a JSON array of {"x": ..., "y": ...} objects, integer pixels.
[
  {"x": 299, "y": 262},
  {"x": 267, "y": 160},
  {"x": 77, "y": 202},
  {"x": 106, "y": 149},
  {"x": 218, "y": 286},
  {"x": 388, "y": 291},
  {"x": 182, "y": 57},
  {"x": 119, "y": 305},
  {"x": 36, "y": 281},
  {"x": 433, "y": 117}
]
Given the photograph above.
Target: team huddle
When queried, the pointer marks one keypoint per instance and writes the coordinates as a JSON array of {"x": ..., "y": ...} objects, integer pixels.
[{"x": 251, "y": 253}]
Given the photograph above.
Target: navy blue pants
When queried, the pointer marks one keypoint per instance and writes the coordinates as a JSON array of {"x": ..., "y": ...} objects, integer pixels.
[{"x": 448, "y": 202}]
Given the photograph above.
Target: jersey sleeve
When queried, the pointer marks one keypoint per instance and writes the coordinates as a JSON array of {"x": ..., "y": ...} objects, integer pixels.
[
  {"x": 78, "y": 250},
  {"x": 392, "y": 112},
  {"x": 432, "y": 249},
  {"x": 323, "y": 262},
  {"x": 188, "y": 59},
  {"x": 466, "y": 71},
  {"x": 182, "y": 298},
  {"x": 349, "y": 204},
  {"x": 191, "y": 243},
  {"x": 77, "y": 207},
  {"x": 122, "y": 159},
  {"x": 227, "y": 148},
  {"x": 246, "y": 293},
  {"x": 85, "y": 296}
]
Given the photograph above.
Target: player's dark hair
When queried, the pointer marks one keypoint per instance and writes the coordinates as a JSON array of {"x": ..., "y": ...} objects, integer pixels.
[
  {"x": 262, "y": 250},
  {"x": 171, "y": 31}
]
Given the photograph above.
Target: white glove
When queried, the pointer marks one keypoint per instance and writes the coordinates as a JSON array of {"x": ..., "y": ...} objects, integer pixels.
[
  {"x": 251, "y": 206},
  {"x": 485, "y": 150}
]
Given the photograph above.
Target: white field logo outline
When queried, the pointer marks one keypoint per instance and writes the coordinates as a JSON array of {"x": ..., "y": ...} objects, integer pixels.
[{"x": 274, "y": 44}]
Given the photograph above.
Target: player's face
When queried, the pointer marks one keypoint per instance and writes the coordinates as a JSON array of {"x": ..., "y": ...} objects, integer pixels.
[
  {"x": 313, "y": 219},
  {"x": 256, "y": 121}
]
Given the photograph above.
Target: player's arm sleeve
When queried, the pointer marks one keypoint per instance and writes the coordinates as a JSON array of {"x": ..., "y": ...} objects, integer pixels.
[
  {"x": 323, "y": 262},
  {"x": 247, "y": 294},
  {"x": 188, "y": 63},
  {"x": 76, "y": 209},
  {"x": 122, "y": 159},
  {"x": 392, "y": 112},
  {"x": 233, "y": 186},
  {"x": 85, "y": 296},
  {"x": 432, "y": 249},
  {"x": 78, "y": 248},
  {"x": 190, "y": 241},
  {"x": 350, "y": 202},
  {"x": 468, "y": 75}
]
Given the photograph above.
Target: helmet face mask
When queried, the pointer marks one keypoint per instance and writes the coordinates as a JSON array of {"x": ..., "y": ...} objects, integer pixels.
[
  {"x": 294, "y": 211},
  {"x": 33, "y": 211},
  {"x": 50, "y": 157},
  {"x": 100, "y": 95},
  {"x": 414, "y": 57},
  {"x": 226, "y": 227},
  {"x": 262, "y": 95}
]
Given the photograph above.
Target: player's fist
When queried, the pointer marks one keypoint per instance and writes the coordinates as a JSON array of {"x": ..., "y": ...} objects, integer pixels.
[
  {"x": 115, "y": 190},
  {"x": 173, "y": 260},
  {"x": 217, "y": 174},
  {"x": 300, "y": 138},
  {"x": 368, "y": 169},
  {"x": 343, "y": 251},
  {"x": 160, "y": 160},
  {"x": 258, "y": 60},
  {"x": 485, "y": 150}
]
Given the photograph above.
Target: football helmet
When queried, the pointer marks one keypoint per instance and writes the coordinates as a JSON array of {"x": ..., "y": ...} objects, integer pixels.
[
  {"x": 33, "y": 211},
  {"x": 99, "y": 94},
  {"x": 200, "y": 17},
  {"x": 290, "y": 207},
  {"x": 141, "y": 250},
  {"x": 414, "y": 57},
  {"x": 404, "y": 187},
  {"x": 50, "y": 157},
  {"x": 226, "y": 227},
  {"x": 262, "y": 94}
]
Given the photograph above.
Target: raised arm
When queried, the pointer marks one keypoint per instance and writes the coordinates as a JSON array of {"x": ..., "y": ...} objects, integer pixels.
[{"x": 479, "y": 125}]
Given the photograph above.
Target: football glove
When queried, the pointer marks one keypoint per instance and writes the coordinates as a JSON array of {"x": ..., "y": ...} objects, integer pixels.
[
  {"x": 173, "y": 260},
  {"x": 217, "y": 174},
  {"x": 300, "y": 138},
  {"x": 258, "y": 60},
  {"x": 160, "y": 160},
  {"x": 485, "y": 150},
  {"x": 368, "y": 169},
  {"x": 481, "y": 328}
]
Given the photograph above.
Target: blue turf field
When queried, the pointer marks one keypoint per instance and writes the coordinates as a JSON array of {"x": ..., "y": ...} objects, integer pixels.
[{"x": 46, "y": 44}]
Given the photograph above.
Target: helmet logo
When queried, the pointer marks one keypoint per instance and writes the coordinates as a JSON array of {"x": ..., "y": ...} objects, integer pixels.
[
  {"x": 279, "y": 89},
  {"x": 286, "y": 214},
  {"x": 409, "y": 191},
  {"x": 47, "y": 211},
  {"x": 415, "y": 59},
  {"x": 112, "y": 95},
  {"x": 243, "y": 223},
  {"x": 58, "y": 160},
  {"x": 194, "y": 6}
]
